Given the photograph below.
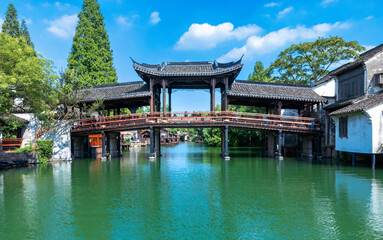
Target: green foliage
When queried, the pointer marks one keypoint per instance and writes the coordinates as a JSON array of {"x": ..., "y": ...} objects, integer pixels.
[
  {"x": 143, "y": 109},
  {"x": 308, "y": 62},
  {"x": 25, "y": 34},
  {"x": 260, "y": 74},
  {"x": 45, "y": 149},
  {"x": 212, "y": 136},
  {"x": 11, "y": 25},
  {"x": 24, "y": 150},
  {"x": 91, "y": 56},
  {"x": 26, "y": 75},
  {"x": 10, "y": 125}
]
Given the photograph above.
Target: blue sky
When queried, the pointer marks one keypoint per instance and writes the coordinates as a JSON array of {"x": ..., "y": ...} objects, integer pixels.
[{"x": 156, "y": 31}]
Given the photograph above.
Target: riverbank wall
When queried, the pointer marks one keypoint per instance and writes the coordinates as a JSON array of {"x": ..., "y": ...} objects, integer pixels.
[{"x": 12, "y": 159}]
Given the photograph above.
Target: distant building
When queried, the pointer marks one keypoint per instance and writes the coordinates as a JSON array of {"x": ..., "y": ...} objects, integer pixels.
[{"x": 354, "y": 119}]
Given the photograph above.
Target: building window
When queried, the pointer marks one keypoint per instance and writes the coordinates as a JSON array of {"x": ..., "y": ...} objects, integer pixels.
[{"x": 343, "y": 127}]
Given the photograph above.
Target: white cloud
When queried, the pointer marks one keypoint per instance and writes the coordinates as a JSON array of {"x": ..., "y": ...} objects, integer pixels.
[
  {"x": 284, "y": 12},
  {"x": 258, "y": 45},
  {"x": 206, "y": 36},
  {"x": 155, "y": 18},
  {"x": 28, "y": 21},
  {"x": 1, "y": 21},
  {"x": 126, "y": 21},
  {"x": 64, "y": 26},
  {"x": 326, "y": 2},
  {"x": 369, "y": 17},
  {"x": 272, "y": 4}
]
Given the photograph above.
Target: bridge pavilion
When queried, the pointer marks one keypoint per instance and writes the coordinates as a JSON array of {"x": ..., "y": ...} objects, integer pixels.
[{"x": 163, "y": 78}]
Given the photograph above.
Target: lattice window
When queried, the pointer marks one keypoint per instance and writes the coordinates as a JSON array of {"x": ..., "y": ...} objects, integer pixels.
[{"x": 343, "y": 127}]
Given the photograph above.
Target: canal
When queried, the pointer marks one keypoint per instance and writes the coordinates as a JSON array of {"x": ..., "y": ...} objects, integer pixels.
[{"x": 191, "y": 194}]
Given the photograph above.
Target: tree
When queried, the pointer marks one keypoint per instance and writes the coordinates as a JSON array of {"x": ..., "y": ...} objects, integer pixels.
[
  {"x": 308, "y": 62},
  {"x": 24, "y": 75},
  {"x": 25, "y": 33},
  {"x": 91, "y": 56},
  {"x": 11, "y": 25},
  {"x": 260, "y": 74}
]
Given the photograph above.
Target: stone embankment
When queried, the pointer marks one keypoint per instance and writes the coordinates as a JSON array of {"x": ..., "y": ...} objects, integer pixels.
[{"x": 11, "y": 159}]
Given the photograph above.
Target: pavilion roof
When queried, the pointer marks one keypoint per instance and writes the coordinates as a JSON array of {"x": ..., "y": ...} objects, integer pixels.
[
  {"x": 188, "y": 69},
  {"x": 360, "y": 104},
  {"x": 116, "y": 91},
  {"x": 275, "y": 91}
]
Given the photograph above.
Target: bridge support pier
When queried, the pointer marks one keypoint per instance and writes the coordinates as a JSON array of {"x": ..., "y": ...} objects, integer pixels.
[
  {"x": 307, "y": 147},
  {"x": 103, "y": 149},
  {"x": 225, "y": 143},
  {"x": 270, "y": 145},
  {"x": 157, "y": 141},
  {"x": 152, "y": 154},
  {"x": 279, "y": 145}
]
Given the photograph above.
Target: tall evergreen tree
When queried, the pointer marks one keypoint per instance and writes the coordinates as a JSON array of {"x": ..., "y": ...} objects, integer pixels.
[
  {"x": 91, "y": 56},
  {"x": 25, "y": 33},
  {"x": 11, "y": 25}
]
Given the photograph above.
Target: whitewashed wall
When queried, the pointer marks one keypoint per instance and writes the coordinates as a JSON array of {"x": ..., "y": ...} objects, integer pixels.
[
  {"x": 61, "y": 138},
  {"x": 29, "y": 131},
  {"x": 62, "y": 142},
  {"x": 326, "y": 89},
  {"x": 373, "y": 65},
  {"x": 359, "y": 133},
  {"x": 377, "y": 127}
]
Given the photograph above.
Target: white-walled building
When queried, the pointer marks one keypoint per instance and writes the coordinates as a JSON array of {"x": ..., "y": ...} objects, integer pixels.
[{"x": 355, "y": 107}]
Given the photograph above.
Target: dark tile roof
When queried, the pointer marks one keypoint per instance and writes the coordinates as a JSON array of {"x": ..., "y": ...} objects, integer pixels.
[
  {"x": 187, "y": 68},
  {"x": 277, "y": 91},
  {"x": 115, "y": 91},
  {"x": 360, "y": 104},
  {"x": 351, "y": 65}
]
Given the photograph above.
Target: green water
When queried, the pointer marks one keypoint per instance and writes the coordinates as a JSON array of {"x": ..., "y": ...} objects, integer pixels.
[{"x": 191, "y": 194}]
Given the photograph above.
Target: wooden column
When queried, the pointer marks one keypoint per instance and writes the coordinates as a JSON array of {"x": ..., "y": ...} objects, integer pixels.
[
  {"x": 164, "y": 97},
  {"x": 151, "y": 96},
  {"x": 170, "y": 99},
  {"x": 158, "y": 100},
  {"x": 212, "y": 96},
  {"x": 225, "y": 95},
  {"x": 373, "y": 158},
  {"x": 279, "y": 108}
]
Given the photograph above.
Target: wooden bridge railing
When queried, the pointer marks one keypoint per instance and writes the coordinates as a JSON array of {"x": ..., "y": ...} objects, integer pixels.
[
  {"x": 267, "y": 121},
  {"x": 8, "y": 144}
]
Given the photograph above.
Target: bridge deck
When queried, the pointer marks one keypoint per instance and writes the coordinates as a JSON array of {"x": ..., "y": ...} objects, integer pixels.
[{"x": 252, "y": 121}]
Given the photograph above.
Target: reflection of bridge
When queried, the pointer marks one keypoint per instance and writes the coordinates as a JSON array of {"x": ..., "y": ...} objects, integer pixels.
[{"x": 164, "y": 78}]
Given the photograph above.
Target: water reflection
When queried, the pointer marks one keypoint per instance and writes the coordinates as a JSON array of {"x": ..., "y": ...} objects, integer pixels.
[{"x": 191, "y": 193}]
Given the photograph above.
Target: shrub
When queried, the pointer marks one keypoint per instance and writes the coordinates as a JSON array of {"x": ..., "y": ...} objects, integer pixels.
[
  {"x": 45, "y": 149},
  {"x": 24, "y": 150}
]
